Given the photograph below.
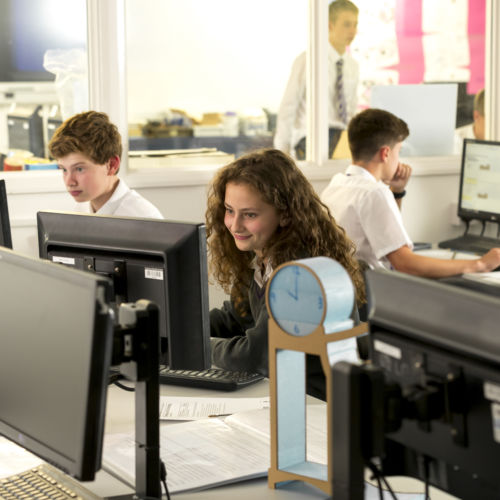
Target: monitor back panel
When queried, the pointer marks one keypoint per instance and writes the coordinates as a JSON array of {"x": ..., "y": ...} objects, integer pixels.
[{"x": 5, "y": 233}]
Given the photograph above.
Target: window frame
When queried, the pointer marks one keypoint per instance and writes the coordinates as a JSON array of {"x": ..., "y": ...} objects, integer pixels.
[{"x": 108, "y": 93}]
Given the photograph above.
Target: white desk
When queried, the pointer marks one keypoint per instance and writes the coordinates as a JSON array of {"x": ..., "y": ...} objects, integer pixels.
[{"x": 120, "y": 418}]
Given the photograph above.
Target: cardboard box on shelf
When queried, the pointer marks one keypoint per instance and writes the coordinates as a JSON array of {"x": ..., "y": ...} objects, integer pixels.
[{"x": 211, "y": 119}]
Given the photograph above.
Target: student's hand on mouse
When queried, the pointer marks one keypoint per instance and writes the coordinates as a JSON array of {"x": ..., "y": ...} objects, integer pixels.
[{"x": 401, "y": 178}]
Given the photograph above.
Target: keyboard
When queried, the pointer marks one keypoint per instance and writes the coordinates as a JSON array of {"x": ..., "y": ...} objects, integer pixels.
[
  {"x": 420, "y": 245},
  {"x": 471, "y": 243},
  {"x": 43, "y": 483},
  {"x": 212, "y": 378}
]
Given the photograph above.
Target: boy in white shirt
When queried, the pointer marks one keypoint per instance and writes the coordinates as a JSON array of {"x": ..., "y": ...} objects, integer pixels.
[
  {"x": 366, "y": 200},
  {"x": 88, "y": 149}
]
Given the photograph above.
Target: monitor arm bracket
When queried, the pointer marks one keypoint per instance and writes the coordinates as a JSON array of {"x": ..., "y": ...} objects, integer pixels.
[{"x": 136, "y": 351}]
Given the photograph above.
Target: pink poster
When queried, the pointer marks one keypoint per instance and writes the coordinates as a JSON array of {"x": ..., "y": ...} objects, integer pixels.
[
  {"x": 409, "y": 33},
  {"x": 476, "y": 29},
  {"x": 409, "y": 36}
]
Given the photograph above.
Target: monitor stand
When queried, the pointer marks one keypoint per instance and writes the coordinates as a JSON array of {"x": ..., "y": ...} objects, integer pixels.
[{"x": 138, "y": 356}]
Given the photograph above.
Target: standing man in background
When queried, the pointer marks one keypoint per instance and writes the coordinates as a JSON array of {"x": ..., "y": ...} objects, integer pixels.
[{"x": 343, "y": 77}]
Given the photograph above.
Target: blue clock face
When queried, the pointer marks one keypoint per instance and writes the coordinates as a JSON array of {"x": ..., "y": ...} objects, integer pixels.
[{"x": 296, "y": 300}]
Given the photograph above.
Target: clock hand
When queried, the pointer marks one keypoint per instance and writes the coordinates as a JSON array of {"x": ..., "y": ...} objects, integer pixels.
[{"x": 295, "y": 293}]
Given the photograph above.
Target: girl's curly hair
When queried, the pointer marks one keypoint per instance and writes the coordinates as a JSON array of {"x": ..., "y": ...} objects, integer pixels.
[{"x": 309, "y": 230}]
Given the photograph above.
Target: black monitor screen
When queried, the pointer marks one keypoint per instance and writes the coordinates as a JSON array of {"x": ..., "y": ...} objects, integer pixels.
[
  {"x": 479, "y": 196},
  {"x": 440, "y": 345},
  {"x": 5, "y": 235},
  {"x": 158, "y": 260},
  {"x": 57, "y": 333}
]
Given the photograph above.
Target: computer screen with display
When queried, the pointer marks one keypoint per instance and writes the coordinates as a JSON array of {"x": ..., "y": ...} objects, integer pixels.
[
  {"x": 479, "y": 195},
  {"x": 162, "y": 261},
  {"x": 5, "y": 234},
  {"x": 57, "y": 333},
  {"x": 429, "y": 402}
]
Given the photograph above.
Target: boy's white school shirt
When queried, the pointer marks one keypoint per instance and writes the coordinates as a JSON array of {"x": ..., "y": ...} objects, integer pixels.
[
  {"x": 368, "y": 212},
  {"x": 123, "y": 201}
]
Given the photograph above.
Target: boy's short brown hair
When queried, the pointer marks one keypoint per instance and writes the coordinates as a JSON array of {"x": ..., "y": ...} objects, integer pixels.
[
  {"x": 90, "y": 133},
  {"x": 373, "y": 128},
  {"x": 338, "y": 6}
]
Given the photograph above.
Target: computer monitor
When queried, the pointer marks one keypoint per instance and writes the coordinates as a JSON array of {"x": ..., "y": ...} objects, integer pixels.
[
  {"x": 162, "y": 261},
  {"x": 429, "y": 403},
  {"x": 479, "y": 194},
  {"x": 57, "y": 333},
  {"x": 5, "y": 236}
]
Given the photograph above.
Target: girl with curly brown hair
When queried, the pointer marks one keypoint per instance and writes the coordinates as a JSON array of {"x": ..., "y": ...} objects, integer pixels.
[{"x": 262, "y": 212}]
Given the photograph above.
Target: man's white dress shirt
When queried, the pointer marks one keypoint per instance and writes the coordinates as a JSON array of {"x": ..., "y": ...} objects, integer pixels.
[{"x": 291, "y": 120}]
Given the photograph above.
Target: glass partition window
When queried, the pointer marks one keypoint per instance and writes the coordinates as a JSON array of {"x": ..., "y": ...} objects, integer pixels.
[
  {"x": 408, "y": 43},
  {"x": 208, "y": 77},
  {"x": 43, "y": 76}
]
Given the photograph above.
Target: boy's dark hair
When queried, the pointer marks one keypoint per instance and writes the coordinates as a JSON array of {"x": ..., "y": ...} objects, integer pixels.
[
  {"x": 338, "y": 6},
  {"x": 90, "y": 133},
  {"x": 373, "y": 128}
]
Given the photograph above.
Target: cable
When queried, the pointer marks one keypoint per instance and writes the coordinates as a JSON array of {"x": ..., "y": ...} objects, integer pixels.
[
  {"x": 124, "y": 387},
  {"x": 163, "y": 478},
  {"x": 375, "y": 475},
  {"x": 426, "y": 477},
  {"x": 380, "y": 477},
  {"x": 483, "y": 228}
]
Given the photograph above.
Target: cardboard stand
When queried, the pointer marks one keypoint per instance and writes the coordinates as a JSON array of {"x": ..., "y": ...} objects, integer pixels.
[{"x": 287, "y": 376}]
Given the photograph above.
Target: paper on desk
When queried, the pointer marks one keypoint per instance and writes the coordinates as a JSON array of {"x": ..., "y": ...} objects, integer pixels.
[
  {"x": 199, "y": 454},
  {"x": 211, "y": 452},
  {"x": 259, "y": 422},
  {"x": 373, "y": 493},
  {"x": 15, "y": 459},
  {"x": 492, "y": 278},
  {"x": 189, "y": 408},
  {"x": 443, "y": 253}
]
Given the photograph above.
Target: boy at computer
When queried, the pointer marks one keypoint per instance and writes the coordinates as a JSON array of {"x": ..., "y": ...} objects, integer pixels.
[
  {"x": 366, "y": 201},
  {"x": 88, "y": 149}
]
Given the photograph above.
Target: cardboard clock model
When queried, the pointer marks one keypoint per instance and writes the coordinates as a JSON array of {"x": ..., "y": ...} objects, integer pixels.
[{"x": 310, "y": 302}]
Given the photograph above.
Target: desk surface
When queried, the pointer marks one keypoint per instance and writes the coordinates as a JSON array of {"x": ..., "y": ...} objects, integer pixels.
[{"x": 120, "y": 418}]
